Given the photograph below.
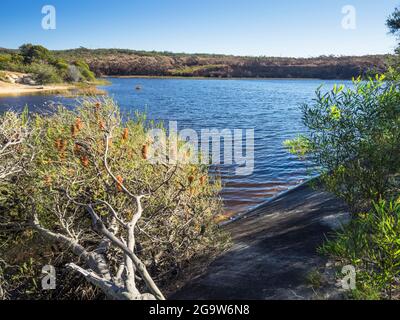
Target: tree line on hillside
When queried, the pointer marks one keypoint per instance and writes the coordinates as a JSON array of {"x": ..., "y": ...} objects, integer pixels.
[
  {"x": 124, "y": 62},
  {"x": 115, "y": 62}
]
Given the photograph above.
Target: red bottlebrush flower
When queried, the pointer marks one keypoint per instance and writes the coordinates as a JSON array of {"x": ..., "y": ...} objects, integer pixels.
[
  {"x": 74, "y": 131},
  {"x": 79, "y": 124},
  {"x": 119, "y": 183},
  {"x": 63, "y": 145},
  {"x": 48, "y": 180},
  {"x": 191, "y": 179},
  {"x": 77, "y": 148},
  {"x": 203, "y": 180},
  {"x": 145, "y": 151},
  {"x": 85, "y": 161},
  {"x": 57, "y": 144},
  {"x": 102, "y": 125},
  {"x": 125, "y": 135}
]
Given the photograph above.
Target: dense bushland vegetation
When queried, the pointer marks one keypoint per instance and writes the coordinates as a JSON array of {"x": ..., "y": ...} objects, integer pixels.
[
  {"x": 129, "y": 62},
  {"x": 87, "y": 199},
  {"x": 371, "y": 243},
  {"x": 123, "y": 62},
  {"x": 354, "y": 139},
  {"x": 44, "y": 65}
]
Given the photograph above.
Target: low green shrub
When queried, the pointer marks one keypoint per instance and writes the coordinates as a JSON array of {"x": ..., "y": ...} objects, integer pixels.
[
  {"x": 3, "y": 76},
  {"x": 44, "y": 74},
  {"x": 11, "y": 63},
  {"x": 371, "y": 243},
  {"x": 88, "y": 155},
  {"x": 353, "y": 138},
  {"x": 85, "y": 70},
  {"x": 5, "y": 61},
  {"x": 34, "y": 53},
  {"x": 45, "y": 66}
]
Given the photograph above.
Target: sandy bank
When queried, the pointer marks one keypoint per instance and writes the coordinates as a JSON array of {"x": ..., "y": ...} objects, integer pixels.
[
  {"x": 14, "y": 89},
  {"x": 274, "y": 252}
]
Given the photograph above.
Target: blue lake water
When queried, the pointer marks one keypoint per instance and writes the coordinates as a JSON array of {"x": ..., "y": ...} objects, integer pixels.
[{"x": 270, "y": 107}]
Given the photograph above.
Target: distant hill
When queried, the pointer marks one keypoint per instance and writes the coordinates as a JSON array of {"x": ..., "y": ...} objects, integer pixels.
[{"x": 121, "y": 62}]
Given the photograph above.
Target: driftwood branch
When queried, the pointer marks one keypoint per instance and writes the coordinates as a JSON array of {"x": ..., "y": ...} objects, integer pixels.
[
  {"x": 139, "y": 265},
  {"x": 108, "y": 287}
]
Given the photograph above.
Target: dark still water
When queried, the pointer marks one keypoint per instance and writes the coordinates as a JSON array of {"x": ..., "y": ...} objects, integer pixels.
[{"x": 270, "y": 107}]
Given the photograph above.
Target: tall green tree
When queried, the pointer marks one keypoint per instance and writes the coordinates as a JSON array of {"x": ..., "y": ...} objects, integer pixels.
[
  {"x": 393, "y": 22},
  {"x": 34, "y": 53}
]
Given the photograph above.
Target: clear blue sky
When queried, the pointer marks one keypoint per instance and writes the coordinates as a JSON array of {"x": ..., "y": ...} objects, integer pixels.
[{"x": 242, "y": 27}]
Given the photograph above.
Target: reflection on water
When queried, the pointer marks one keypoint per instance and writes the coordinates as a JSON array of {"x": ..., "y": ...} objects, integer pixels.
[{"x": 270, "y": 107}]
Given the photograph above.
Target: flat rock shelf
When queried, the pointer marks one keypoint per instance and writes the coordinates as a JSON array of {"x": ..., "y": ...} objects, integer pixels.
[{"x": 274, "y": 251}]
